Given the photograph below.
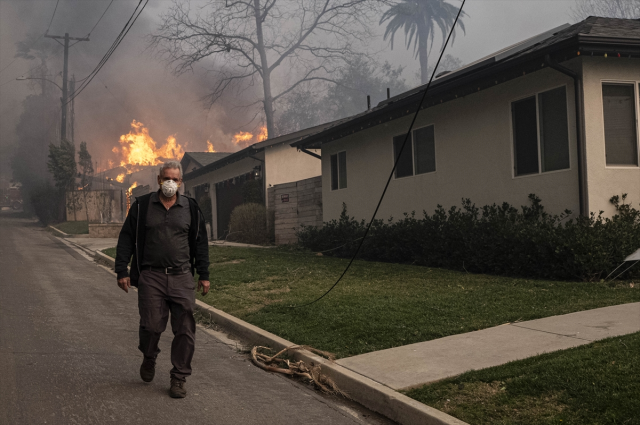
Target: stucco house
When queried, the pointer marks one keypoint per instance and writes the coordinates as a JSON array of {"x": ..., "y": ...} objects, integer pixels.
[
  {"x": 555, "y": 115},
  {"x": 220, "y": 186}
]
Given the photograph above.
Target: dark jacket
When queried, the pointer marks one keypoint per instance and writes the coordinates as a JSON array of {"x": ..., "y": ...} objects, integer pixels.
[{"x": 132, "y": 237}]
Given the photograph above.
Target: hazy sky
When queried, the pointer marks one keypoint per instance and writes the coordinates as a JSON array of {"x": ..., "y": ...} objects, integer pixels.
[{"x": 140, "y": 87}]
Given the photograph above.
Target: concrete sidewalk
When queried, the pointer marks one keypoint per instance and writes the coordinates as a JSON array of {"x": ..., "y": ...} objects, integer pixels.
[
  {"x": 417, "y": 364},
  {"x": 95, "y": 244}
]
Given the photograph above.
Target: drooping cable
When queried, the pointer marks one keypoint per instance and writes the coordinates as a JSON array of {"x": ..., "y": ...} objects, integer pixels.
[
  {"x": 52, "y": 16},
  {"x": 395, "y": 164},
  {"x": 101, "y": 16},
  {"x": 87, "y": 80}
]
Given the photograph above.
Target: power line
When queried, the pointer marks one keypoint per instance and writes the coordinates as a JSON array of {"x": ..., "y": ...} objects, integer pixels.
[
  {"x": 52, "y": 16},
  {"x": 112, "y": 49},
  {"x": 395, "y": 165},
  {"x": 101, "y": 16}
]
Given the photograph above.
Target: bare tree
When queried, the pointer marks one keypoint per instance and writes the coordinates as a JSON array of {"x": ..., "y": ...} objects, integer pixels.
[
  {"x": 628, "y": 9},
  {"x": 289, "y": 43}
]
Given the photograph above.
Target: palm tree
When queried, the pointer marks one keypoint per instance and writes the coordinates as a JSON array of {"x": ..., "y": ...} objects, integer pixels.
[{"x": 419, "y": 19}]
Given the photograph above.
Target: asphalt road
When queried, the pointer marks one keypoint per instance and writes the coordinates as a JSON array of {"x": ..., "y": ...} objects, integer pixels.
[{"x": 68, "y": 353}]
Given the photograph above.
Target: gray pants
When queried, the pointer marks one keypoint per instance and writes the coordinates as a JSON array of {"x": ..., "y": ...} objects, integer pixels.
[{"x": 159, "y": 294}]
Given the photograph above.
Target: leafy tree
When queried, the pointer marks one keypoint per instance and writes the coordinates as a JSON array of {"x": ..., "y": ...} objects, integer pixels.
[
  {"x": 420, "y": 19},
  {"x": 448, "y": 63},
  {"x": 346, "y": 97},
  {"x": 294, "y": 43},
  {"x": 627, "y": 9},
  {"x": 86, "y": 167},
  {"x": 86, "y": 173},
  {"x": 62, "y": 164}
]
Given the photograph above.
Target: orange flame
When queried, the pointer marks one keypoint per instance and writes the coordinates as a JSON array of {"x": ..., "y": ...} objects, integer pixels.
[
  {"x": 138, "y": 148},
  {"x": 210, "y": 147},
  {"x": 244, "y": 138},
  {"x": 263, "y": 135},
  {"x": 120, "y": 178}
]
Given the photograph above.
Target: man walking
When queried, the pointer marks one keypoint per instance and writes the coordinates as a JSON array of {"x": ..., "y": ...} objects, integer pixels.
[{"x": 165, "y": 233}]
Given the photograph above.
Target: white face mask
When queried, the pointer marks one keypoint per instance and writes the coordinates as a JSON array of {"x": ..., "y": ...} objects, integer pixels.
[{"x": 169, "y": 188}]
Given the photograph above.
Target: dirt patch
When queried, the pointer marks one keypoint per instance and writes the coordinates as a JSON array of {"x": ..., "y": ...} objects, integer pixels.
[
  {"x": 228, "y": 262},
  {"x": 462, "y": 400}
]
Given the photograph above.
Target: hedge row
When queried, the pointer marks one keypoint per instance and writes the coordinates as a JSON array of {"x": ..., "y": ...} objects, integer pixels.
[{"x": 494, "y": 239}]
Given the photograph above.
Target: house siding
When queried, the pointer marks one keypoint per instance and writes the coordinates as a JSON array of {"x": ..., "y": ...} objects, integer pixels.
[
  {"x": 604, "y": 181},
  {"x": 285, "y": 164},
  {"x": 473, "y": 140}
]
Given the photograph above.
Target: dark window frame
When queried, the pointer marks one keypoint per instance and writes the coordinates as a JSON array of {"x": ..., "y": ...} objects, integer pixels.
[
  {"x": 636, "y": 101},
  {"x": 412, "y": 143},
  {"x": 536, "y": 95}
]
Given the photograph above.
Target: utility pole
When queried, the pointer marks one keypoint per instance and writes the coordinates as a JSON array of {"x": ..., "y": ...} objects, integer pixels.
[
  {"x": 65, "y": 72},
  {"x": 72, "y": 83}
]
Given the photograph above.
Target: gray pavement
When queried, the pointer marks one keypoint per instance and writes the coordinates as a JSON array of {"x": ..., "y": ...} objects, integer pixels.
[
  {"x": 424, "y": 362},
  {"x": 95, "y": 244},
  {"x": 68, "y": 355}
]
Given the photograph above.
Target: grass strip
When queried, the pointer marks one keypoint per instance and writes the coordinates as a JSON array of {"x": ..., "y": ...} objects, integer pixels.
[
  {"x": 598, "y": 383},
  {"x": 382, "y": 305},
  {"x": 73, "y": 227}
]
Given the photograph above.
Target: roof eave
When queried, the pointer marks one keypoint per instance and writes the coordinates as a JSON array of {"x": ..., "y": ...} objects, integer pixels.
[
  {"x": 449, "y": 90},
  {"x": 223, "y": 162}
]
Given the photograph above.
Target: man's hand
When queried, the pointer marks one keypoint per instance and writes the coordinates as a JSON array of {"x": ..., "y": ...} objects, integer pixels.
[
  {"x": 125, "y": 284},
  {"x": 204, "y": 284}
]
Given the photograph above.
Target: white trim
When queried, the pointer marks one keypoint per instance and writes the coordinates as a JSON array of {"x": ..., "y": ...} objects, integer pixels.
[
  {"x": 636, "y": 94},
  {"x": 331, "y": 189}
]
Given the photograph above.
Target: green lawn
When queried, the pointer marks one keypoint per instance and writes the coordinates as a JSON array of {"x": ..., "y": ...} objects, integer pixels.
[
  {"x": 73, "y": 227},
  {"x": 597, "y": 383},
  {"x": 111, "y": 252},
  {"x": 381, "y": 305}
]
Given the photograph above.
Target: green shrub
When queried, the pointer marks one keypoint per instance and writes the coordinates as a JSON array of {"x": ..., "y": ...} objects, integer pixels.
[
  {"x": 248, "y": 224},
  {"x": 494, "y": 239},
  {"x": 47, "y": 203}
]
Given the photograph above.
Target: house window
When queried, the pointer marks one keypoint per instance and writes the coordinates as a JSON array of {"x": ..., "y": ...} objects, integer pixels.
[
  {"x": 540, "y": 133},
  {"x": 339, "y": 171},
  {"x": 418, "y": 156},
  {"x": 620, "y": 132},
  {"x": 424, "y": 146},
  {"x": 405, "y": 162}
]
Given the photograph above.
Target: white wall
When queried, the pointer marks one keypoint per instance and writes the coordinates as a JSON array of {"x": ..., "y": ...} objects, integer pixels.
[
  {"x": 604, "y": 181},
  {"x": 285, "y": 164},
  {"x": 473, "y": 139}
]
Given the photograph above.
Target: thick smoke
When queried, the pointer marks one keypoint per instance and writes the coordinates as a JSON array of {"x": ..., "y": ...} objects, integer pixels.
[{"x": 138, "y": 86}]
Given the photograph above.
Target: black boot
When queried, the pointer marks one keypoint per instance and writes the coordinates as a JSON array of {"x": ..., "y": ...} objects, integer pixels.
[
  {"x": 148, "y": 369},
  {"x": 177, "y": 388}
]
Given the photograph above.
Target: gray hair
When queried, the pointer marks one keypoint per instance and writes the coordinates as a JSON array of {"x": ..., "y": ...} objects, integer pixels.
[{"x": 170, "y": 164}]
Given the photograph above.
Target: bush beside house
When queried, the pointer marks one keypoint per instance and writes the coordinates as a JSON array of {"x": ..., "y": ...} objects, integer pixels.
[
  {"x": 494, "y": 239},
  {"x": 248, "y": 224}
]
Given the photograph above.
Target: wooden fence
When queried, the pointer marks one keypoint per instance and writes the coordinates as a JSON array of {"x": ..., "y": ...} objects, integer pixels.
[{"x": 294, "y": 204}]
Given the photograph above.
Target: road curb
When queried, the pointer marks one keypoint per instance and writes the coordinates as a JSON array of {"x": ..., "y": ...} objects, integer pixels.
[
  {"x": 367, "y": 392},
  {"x": 66, "y": 235}
]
